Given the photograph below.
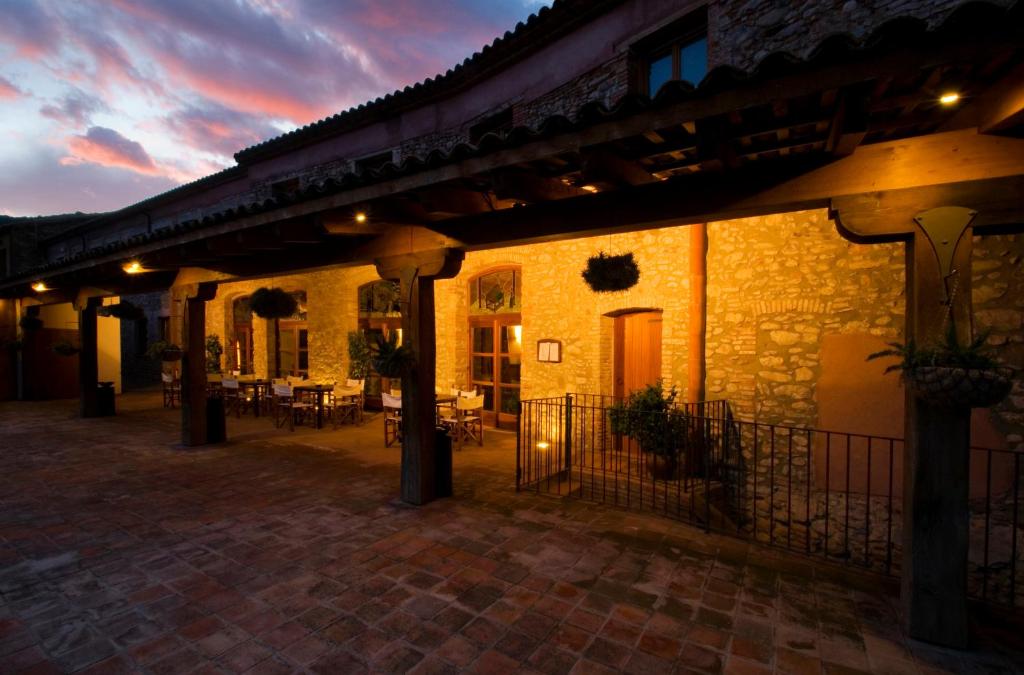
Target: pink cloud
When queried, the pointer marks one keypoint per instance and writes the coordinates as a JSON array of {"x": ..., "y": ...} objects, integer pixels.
[
  {"x": 106, "y": 147},
  {"x": 217, "y": 129},
  {"x": 74, "y": 109},
  {"x": 8, "y": 90}
]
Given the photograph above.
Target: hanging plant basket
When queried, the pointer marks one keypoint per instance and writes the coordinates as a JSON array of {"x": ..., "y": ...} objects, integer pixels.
[
  {"x": 164, "y": 351},
  {"x": 30, "y": 322},
  {"x": 65, "y": 349},
  {"x": 273, "y": 303},
  {"x": 124, "y": 310},
  {"x": 609, "y": 273},
  {"x": 952, "y": 387}
]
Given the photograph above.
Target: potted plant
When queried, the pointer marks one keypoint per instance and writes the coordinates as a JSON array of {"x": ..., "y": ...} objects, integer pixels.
[
  {"x": 275, "y": 304},
  {"x": 359, "y": 355},
  {"x": 650, "y": 417},
  {"x": 606, "y": 273},
  {"x": 950, "y": 374},
  {"x": 65, "y": 348},
  {"x": 391, "y": 359},
  {"x": 213, "y": 351},
  {"x": 123, "y": 310},
  {"x": 163, "y": 350}
]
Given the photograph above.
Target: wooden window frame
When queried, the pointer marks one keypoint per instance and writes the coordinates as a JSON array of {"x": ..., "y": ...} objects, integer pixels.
[{"x": 670, "y": 39}]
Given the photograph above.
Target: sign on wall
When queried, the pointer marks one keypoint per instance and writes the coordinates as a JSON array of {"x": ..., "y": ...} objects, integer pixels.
[{"x": 549, "y": 351}]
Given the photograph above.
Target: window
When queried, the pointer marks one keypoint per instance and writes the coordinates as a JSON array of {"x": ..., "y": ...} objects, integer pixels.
[
  {"x": 373, "y": 162},
  {"x": 379, "y": 299},
  {"x": 495, "y": 292},
  {"x": 496, "y": 343},
  {"x": 497, "y": 122},
  {"x": 677, "y": 52}
]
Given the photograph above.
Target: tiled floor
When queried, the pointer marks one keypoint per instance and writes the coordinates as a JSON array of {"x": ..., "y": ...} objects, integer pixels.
[{"x": 288, "y": 552}]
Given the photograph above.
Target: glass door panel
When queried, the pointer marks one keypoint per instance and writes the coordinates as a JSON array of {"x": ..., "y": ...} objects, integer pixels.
[{"x": 495, "y": 363}]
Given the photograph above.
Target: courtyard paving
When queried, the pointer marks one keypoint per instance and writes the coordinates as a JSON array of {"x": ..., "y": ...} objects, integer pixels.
[{"x": 288, "y": 552}]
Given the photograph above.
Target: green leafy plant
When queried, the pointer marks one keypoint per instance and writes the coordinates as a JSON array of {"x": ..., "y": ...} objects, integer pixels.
[
  {"x": 163, "y": 351},
  {"x": 949, "y": 353},
  {"x": 359, "y": 355},
  {"x": 274, "y": 304},
  {"x": 391, "y": 359},
  {"x": 213, "y": 351},
  {"x": 65, "y": 348},
  {"x": 650, "y": 417},
  {"x": 607, "y": 273}
]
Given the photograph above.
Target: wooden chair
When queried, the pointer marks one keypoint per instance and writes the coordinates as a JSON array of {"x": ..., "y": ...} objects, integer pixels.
[
  {"x": 213, "y": 382},
  {"x": 235, "y": 400},
  {"x": 287, "y": 407},
  {"x": 346, "y": 402},
  {"x": 172, "y": 390},
  {"x": 467, "y": 423},
  {"x": 392, "y": 418}
]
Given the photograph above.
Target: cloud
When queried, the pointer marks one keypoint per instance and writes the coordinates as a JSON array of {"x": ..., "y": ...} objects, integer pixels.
[
  {"x": 74, "y": 109},
  {"x": 217, "y": 129},
  {"x": 106, "y": 147},
  {"x": 28, "y": 28},
  {"x": 8, "y": 90}
]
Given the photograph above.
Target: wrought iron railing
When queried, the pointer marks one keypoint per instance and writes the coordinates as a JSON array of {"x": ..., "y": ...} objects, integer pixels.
[{"x": 832, "y": 495}]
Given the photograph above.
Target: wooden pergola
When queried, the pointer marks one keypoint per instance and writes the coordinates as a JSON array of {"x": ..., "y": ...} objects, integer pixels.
[{"x": 859, "y": 131}]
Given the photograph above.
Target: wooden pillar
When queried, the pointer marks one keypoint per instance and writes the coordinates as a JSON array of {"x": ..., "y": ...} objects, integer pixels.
[
  {"x": 193, "y": 365},
  {"x": 697, "y": 360},
  {"x": 416, "y": 274},
  {"x": 88, "y": 357},
  {"x": 937, "y": 446}
]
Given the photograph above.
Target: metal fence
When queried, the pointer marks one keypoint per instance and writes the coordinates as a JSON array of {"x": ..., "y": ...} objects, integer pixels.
[{"x": 832, "y": 495}]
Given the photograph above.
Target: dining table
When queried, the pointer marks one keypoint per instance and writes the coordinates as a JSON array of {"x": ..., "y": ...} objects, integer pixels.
[
  {"x": 318, "y": 391},
  {"x": 260, "y": 392}
]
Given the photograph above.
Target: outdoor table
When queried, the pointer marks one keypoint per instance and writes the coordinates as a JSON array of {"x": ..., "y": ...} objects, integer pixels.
[
  {"x": 443, "y": 400},
  {"x": 318, "y": 391},
  {"x": 258, "y": 387}
]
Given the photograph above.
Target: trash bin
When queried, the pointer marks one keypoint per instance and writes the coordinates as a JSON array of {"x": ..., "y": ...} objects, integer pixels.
[
  {"x": 442, "y": 462},
  {"x": 105, "y": 399},
  {"x": 216, "y": 429}
]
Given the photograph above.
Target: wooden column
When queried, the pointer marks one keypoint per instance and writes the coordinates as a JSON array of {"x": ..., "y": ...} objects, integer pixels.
[
  {"x": 193, "y": 365},
  {"x": 416, "y": 274},
  {"x": 935, "y": 518},
  {"x": 937, "y": 444},
  {"x": 88, "y": 357}
]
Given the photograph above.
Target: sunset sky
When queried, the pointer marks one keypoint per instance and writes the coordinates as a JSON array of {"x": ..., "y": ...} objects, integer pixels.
[{"x": 106, "y": 102}]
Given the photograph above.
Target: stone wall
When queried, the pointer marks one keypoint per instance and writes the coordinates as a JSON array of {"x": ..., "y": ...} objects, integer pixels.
[{"x": 742, "y": 32}]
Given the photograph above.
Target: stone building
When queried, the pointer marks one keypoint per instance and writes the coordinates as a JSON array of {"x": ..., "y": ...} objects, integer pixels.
[{"x": 774, "y": 168}]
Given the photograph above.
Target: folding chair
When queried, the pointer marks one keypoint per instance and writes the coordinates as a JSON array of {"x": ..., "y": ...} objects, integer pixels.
[
  {"x": 285, "y": 404},
  {"x": 172, "y": 390},
  {"x": 235, "y": 400},
  {"x": 392, "y": 418},
  {"x": 347, "y": 402},
  {"x": 467, "y": 422}
]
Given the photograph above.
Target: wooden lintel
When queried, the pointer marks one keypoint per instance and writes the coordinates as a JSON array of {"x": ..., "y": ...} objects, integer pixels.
[
  {"x": 442, "y": 263},
  {"x": 404, "y": 240},
  {"x": 602, "y": 166},
  {"x": 849, "y": 124},
  {"x": 452, "y": 200}
]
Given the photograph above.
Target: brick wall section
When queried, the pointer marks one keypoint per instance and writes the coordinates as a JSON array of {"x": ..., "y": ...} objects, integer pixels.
[{"x": 742, "y": 32}]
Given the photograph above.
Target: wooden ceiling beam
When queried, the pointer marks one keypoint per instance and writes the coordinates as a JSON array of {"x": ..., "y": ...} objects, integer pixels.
[
  {"x": 529, "y": 188},
  {"x": 602, "y": 166}
]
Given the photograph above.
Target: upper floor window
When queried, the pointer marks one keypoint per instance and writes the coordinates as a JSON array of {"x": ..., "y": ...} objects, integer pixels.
[
  {"x": 499, "y": 291},
  {"x": 678, "y": 51},
  {"x": 379, "y": 299}
]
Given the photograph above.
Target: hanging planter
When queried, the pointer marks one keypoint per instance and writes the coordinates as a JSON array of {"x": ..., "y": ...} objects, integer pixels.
[
  {"x": 951, "y": 375},
  {"x": 124, "y": 310},
  {"x": 609, "y": 273},
  {"x": 390, "y": 359},
  {"x": 65, "y": 348},
  {"x": 272, "y": 303},
  {"x": 951, "y": 387},
  {"x": 165, "y": 351}
]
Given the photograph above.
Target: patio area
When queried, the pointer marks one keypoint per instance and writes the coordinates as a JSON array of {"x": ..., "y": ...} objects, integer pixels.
[{"x": 290, "y": 552}]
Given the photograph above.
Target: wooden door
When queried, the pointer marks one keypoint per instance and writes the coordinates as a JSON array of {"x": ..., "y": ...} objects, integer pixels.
[
  {"x": 495, "y": 359},
  {"x": 637, "y": 351}
]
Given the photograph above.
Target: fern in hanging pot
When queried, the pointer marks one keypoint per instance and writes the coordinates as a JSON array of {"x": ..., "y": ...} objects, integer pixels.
[
  {"x": 606, "y": 273},
  {"x": 391, "y": 359}
]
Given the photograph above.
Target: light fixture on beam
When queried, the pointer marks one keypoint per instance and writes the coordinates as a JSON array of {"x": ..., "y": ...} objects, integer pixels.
[
  {"x": 361, "y": 217},
  {"x": 949, "y": 98},
  {"x": 40, "y": 287},
  {"x": 133, "y": 267},
  {"x": 589, "y": 188}
]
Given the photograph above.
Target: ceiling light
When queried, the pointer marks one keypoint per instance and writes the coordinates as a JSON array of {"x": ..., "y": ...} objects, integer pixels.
[
  {"x": 360, "y": 217},
  {"x": 949, "y": 98},
  {"x": 132, "y": 267},
  {"x": 40, "y": 287},
  {"x": 589, "y": 188}
]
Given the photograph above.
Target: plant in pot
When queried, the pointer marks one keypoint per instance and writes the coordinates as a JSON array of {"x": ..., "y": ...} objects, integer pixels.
[
  {"x": 213, "y": 351},
  {"x": 65, "y": 348},
  {"x": 274, "y": 304},
  {"x": 163, "y": 350},
  {"x": 650, "y": 417},
  {"x": 359, "y": 355},
  {"x": 391, "y": 359},
  {"x": 606, "y": 273},
  {"x": 950, "y": 374}
]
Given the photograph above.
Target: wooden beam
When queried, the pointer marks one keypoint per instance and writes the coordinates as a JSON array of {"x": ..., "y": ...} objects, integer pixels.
[
  {"x": 603, "y": 166},
  {"x": 999, "y": 109},
  {"x": 452, "y": 200},
  {"x": 849, "y": 124},
  {"x": 529, "y": 188}
]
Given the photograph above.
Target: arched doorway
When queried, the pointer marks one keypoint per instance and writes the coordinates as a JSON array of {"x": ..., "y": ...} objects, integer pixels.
[
  {"x": 637, "y": 350},
  {"x": 496, "y": 342}
]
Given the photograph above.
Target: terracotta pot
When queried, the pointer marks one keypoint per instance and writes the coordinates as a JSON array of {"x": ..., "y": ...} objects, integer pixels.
[{"x": 960, "y": 387}]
